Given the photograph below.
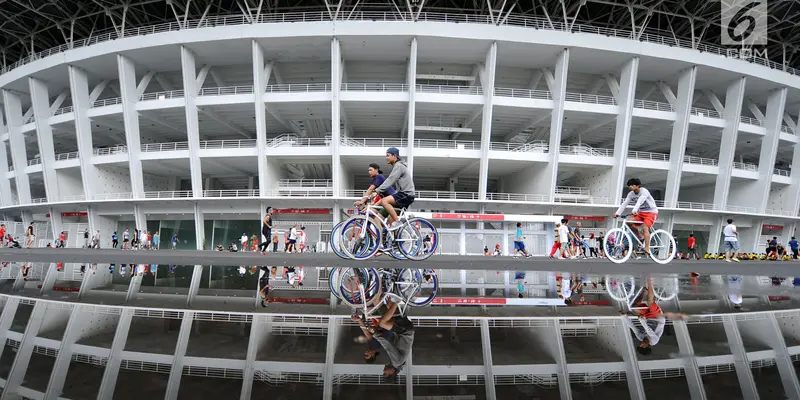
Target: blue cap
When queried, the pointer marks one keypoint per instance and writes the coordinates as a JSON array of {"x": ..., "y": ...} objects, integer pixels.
[{"x": 393, "y": 151}]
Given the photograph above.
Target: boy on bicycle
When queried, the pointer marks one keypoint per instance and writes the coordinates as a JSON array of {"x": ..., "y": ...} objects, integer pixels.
[
  {"x": 652, "y": 319},
  {"x": 644, "y": 211}
]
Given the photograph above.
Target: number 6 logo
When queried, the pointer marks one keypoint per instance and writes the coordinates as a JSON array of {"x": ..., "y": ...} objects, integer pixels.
[{"x": 744, "y": 22}]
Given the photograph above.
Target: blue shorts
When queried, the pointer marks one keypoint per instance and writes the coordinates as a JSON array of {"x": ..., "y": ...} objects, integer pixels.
[
  {"x": 519, "y": 246},
  {"x": 731, "y": 245},
  {"x": 402, "y": 200}
]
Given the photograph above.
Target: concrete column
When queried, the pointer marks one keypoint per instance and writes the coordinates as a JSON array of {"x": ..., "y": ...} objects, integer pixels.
[
  {"x": 40, "y": 99},
  {"x": 625, "y": 348},
  {"x": 109, "y": 382},
  {"x": 788, "y": 231},
  {"x": 487, "y": 71},
  {"x": 261, "y": 77},
  {"x": 690, "y": 367},
  {"x": 16, "y": 139},
  {"x": 336, "y": 86},
  {"x": 190, "y": 90},
  {"x": 77, "y": 322},
  {"x": 130, "y": 96},
  {"x": 330, "y": 355},
  {"x": 680, "y": 133},
  {"x": 259, "y": 333},
  {"x": 627, "y": 93},
  {"x": 139, "y": 217},
  {"x": 715, "y": 235},
  {"x": 740, "y": 362},
  {"x": 462, "y": 239},
  {"x": 174, "y": 381},
  {"x": 792, "y": 201},
  {"x": 558, "y": 91},
  {"x": 79, "y": 90},
  {"x": 199, "y": 226},
  {"x": 24, "y": 352},
  {"x": 727, "y": 148},
  {"x": 486, "y": 346},
  {"x": 56, "y": 225},
  {"x": 5, "y": 184},
  {"x": 197, "y": 273},
  {"x": 411, "y": 81},
  {"x": 751, "y": 238},
  {"x": 776, "y": 104}
]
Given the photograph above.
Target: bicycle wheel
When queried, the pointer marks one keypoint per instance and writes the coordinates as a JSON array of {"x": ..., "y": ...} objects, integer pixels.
[
  {"x": 358, "y": 286},
  {"x": 428, "y": 287},
  {"x": 333, "y": 281},
  {"x": 666, "y": 290},
  {"x": 429, "y": 238},
  {"x": 662, "y": 246},
  {"x": 336, "y": 241},
  {"x": 617, "y": 246},
  {"x": 408, "y": 239},
  {"x": 621, "y": 288},
  {"x": 356, "y": 243}
]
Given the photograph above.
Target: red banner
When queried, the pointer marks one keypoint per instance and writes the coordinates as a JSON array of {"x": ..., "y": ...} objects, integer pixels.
[
  {"x": 307, "y": 211},
  {"x": 72, "y": 214},
  {"x": 779, "y": 298},
  {"x": 585, "y": 218},
  {"x": 471, "y": 300},
  {"x": 469, "y": 216},
  {"x": 307, "y": 300},
  {"x": 772, "y": 227}
]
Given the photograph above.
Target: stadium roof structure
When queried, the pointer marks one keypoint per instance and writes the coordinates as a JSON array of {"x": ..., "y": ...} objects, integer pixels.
[{"x": 30, "y": 26}]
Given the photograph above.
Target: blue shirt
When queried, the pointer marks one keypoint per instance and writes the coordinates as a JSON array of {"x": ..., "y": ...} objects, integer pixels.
[
  {"x": 793, "y": 244},
  {"x": 519, "y": 235},
  {"x": 378, "y": 180}
]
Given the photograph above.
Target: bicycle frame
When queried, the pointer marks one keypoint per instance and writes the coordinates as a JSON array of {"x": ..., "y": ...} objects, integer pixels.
[{"x": 371, "y": 307}]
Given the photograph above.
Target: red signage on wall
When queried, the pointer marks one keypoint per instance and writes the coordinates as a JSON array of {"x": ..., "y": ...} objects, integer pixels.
[
  {"x": 469, "y": 300},
  {"x": 308, "y": 211},
  {"x": 772, "y": 228},
  {"x": 469, "y": 216},
  {"x": 72, "y": 214},
  {"x": 585, "y": 218}
]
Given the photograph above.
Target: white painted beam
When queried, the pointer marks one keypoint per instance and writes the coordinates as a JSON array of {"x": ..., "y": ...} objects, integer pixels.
[
  {"x": 78, "y": 321},
  {"x": 690, "y": 368},
  {"x": 127, "y": 82},
  {"x": 486, "y": 347},
  {"x": 680, "y": 132},
  {"x": 330, "y": 355},
  {"x": 141, "y": 88},
  {"x": 734, "y": 99},
  {"x": 24, "y": 352},
  {"x": 715, "y": 101},
  {"x": 627, "y": 350},
  {"x": 487, "y": 80},
  {"x": 740, "y": 362},
  {"x": 176, "y": 372},
  {"x": 668, "y": 94},
  {"x": 40, "y": 99},
  {"x": 625, "y": 99}
]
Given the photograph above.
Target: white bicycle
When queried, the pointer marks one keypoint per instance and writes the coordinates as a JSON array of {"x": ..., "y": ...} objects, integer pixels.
[
  {"x": 619, "y": 243},
  {"x": 624, "y": 289}
]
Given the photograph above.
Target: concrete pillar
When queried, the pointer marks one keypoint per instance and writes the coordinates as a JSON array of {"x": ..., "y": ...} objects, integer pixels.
[
  {"x": 487, "y": 71},
  {"x": 40, "y": 99},
  {"x": 680, "y": 133},
  {"x": 79, "y": 90},
  {"x": 627, "y": 94},
  {"x": 411, "y": 81},
  {"x": 6, "y": 199},
  {"x": 776, "y": 104},
  {"x": 16, "y": 139},
  {"x": 130, "y": 96},
  {"x": 261, "y": 75},
  {"x": 336, "y": 86},
  {"x": 190, "y": 90},
  {"x": 727, "y": 148},
  {"x": 558, "y": 90}
]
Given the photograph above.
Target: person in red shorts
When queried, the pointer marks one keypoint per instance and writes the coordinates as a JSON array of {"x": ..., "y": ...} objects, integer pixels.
[
  {"x": 651, "y": 318},
  {"x": 644, "y": 211}
]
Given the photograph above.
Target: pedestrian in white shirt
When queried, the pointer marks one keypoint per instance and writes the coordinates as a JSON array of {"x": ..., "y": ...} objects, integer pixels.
[
  {"x": 564, "y": 237},
  {"x": 731, "y": 241},
  {"x": 292, "y": 239},
  {"x": 243, "y": 240}
]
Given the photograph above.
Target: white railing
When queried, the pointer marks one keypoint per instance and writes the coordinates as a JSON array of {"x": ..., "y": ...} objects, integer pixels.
[
  {"x": 35, "y": 161},
  {"x": 109, "y": 151},
  {"x": 318, "y": 16},
  {"x": 295, "y": 141},
  {"x": 231, "y": 193},
  {"x": 63, "y": 110},
  {"x": 653, "y": 105},
  {"x": 590, "y": 98},
  {"x": 383, "y": 143},
  {"x": 583, "y": 150},
  {"x": 523, "y": 93},
  {"x": 445, "y": 195},
  {"x": 169, "y": 94},
  {"x": 172, "y": 146},
  {"x": 745, "y": 166},
  {"x": 59, "y": 157},
  {"x": 228, "y": 144},
  {"x": 781, "y": 172},
  {"x": 787, "y": 129},
  {"x": 374, "y": 87},
  {"x": 741, "y": 209},
  {"x": 112, "y": 196},
  {"x": 305, "y": 183},
  {"x": 539, "y": 146},
  {"x": 39, "y": 200},
  {"x": 584, "y": 200},
  {"x": 301, "y": 192},
  {"x": 168, "y": 194},
  {"x": 447, "y": 144},
  {"x": 107, "y": 102},
  {"x": 11, "y": 168},
  {"x": 518, "y": 197},
  {"x": 226, "y": 90},
  {"x": 450, "y": 89},
  {"x": 299, "y": 87},
  {"x": 702, "y": 112},
  {"x": 691, "y": 205},
  {"x": 572, "y": 191},
  {"x": 74, "y": 198},
  {"x": 700, "y": 161},
  {"x": 750, "y": 120},
  {"x": 646, "y": 155}
]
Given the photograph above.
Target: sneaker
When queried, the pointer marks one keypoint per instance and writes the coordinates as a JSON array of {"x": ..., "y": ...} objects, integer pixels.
[
  {"x": 395, "y": 226},
  {"x": 727, "y": 260},
  {"x": 735, "y": 259}
]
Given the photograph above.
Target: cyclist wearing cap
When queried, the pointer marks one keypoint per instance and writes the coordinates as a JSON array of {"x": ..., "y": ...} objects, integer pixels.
[
  {"x": 377, "y": 180},
  {"x": 400, "y": 178},
  {"x": 644, "y": 210}
]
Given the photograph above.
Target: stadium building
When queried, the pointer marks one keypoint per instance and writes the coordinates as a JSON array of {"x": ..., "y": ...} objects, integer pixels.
[{"x": 190, "y": 118}]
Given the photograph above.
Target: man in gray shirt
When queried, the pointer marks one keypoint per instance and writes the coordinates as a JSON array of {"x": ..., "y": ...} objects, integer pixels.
[
  {"x": 400, "y": 178},
  {"x": 397, "y": 344}
]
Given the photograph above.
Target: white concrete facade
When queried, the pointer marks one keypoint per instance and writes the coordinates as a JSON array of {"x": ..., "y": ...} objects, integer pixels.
[{"x": 219, "y": 122}]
